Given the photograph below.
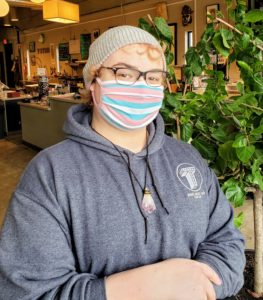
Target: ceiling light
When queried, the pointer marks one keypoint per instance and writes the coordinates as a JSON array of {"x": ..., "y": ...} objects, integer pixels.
[
  {"x": 7, "y": 22},
  {"x": 4, "y": 8},
  {"x": 13, "y": 14},
  {"x": 60, "y": 11},
  {"x": 37, "y": 1}
]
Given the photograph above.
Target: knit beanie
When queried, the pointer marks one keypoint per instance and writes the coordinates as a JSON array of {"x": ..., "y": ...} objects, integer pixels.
[{"x": 114, "y": 39}]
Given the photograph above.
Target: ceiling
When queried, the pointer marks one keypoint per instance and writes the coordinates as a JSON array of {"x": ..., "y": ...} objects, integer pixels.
[{"x": 30, "y": 14}]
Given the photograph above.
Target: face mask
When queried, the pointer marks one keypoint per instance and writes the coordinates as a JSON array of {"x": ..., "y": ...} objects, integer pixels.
[{"x": 128, "y": 107}]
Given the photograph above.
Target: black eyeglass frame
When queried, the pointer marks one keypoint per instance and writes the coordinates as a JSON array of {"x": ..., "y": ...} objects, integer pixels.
[{"x": 140, "y": 73}]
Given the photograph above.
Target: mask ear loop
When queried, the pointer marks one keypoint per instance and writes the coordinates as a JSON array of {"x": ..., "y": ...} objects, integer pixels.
[{"x": 92, "y": 90}]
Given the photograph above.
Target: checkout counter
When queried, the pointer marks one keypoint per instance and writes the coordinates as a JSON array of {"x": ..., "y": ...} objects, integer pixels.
[{"x": 42, "y": 123}]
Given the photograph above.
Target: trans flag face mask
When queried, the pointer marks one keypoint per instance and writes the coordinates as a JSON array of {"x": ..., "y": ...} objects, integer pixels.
[{"x": 128, "y": 107}]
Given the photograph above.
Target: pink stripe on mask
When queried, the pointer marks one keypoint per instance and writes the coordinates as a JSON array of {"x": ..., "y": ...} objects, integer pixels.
[{"x": 123, "y": 120}]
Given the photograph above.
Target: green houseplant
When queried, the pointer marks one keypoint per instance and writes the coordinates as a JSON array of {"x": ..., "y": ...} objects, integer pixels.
[{"x": 226, "y": 130}]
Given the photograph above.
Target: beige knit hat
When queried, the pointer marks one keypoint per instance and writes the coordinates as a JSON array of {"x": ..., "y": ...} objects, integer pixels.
[{"x": 112, "y": 40}]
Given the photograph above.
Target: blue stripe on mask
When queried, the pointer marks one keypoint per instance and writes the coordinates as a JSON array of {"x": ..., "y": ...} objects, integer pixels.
[
  {"x": 112, "y": 122},
  {"x": 108, "y": 100},
  {"x": 131, "y": 116}
]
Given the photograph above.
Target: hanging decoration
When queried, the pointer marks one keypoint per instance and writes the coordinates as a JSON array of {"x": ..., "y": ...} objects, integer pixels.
[{"x": 186, "y": 15}]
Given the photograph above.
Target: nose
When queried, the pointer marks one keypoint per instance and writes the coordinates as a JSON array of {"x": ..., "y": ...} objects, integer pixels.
[{"x": 142, "y": 77}]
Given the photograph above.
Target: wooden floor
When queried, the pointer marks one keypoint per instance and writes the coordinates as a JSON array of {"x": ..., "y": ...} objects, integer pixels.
[{"x": 14, "y": 156}]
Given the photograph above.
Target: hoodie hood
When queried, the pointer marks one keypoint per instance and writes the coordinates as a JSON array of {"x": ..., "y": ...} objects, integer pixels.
[{"x": 78, "y": 128}]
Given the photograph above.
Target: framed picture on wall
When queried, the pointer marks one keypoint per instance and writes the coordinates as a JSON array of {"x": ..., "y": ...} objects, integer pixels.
[
  {"x": 173, "y": 28},
  {"x": 32, "y": 47},
  {"x": 52, "y": 53},
  {"x": 33, "y": 60},
  {"x": 95, "y": 34},
  {"x": 211, "y": 11}
]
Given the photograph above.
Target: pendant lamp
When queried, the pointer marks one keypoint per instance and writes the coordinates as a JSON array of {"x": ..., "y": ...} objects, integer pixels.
[
  {"x": 37, "y": 1},
  {"x": 60, "y": 11},
  {"x": 7, "y": 22},
  {"x": 4, "y": 8},
  {"x": 13, "y": 14}
]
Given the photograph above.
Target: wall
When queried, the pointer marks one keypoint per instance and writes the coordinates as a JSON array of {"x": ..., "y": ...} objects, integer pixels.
[{"x": 128, "y": 14}]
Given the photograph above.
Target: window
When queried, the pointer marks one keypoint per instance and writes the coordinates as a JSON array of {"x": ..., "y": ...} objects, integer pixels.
[{"x": 188, "y": 40}]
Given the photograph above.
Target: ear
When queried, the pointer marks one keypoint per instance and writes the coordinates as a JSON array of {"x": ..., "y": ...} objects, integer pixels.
[{"x": 92, "y": 87}]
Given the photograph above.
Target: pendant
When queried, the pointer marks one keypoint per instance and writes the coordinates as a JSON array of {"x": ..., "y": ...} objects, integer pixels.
[{"x": 148, "y": 204}]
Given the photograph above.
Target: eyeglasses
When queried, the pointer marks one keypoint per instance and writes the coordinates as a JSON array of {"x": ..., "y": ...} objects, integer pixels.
[{"x": 128, "y": 76}]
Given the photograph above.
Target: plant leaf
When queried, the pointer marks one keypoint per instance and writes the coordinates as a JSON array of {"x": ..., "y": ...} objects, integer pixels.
[
  {"x": 220, "y": 135},
  {"x": 169, "y": 57},
  {"x": 253, "y": 16},
  {"x": 206, "y": 149},
  {"x": 218, "y": 43},
  {"x": 226, "y": 36},
  {"x": 257, "y": 131},
  {"x": 240, "y": 141},
  {"x": 245, "y": 153},
  {"x": 234, "y": 192},
  {"x": 239, "y": 220},
  {"x": 187, "y": 131},
  {"x": 163, "y": 27},
  {"x": 244, "y": 41},
  {"x": 257, "y": 177},
  {"x": 144, "y": 24},
  {"x": 227, "y": 152},
  {"x": 173, "y": 101},
  {"x": 243, "y": 65}
]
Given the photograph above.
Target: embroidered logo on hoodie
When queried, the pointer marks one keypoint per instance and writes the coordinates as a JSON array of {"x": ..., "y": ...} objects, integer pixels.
[{"x": 191, "y": 178}]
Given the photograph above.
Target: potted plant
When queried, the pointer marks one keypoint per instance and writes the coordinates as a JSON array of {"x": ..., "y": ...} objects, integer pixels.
[{"x": 227, "y": 130}]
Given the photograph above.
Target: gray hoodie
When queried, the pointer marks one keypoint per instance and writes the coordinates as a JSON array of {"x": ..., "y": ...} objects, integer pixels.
[{"x": 75, "y": 216}]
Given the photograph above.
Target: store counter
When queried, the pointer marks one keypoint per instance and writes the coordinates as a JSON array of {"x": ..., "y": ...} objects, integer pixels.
[
  {"x": 42, "y": 124},
  {"x": 12, "y": 120}
]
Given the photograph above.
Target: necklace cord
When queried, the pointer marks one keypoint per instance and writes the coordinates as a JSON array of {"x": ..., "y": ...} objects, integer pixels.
[
  {"x": 156, "y": 189},
  {"x": 132, "y": 175},
  {"x": 138, "y": 203}
]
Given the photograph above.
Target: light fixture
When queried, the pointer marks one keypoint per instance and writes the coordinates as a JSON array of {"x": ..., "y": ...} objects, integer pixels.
[
  {"x": 7, "y": 22},
  {"x": 13, "y": 14},
  {"x": 60, "y": 11},
  {"x": 4, "y": 8},
  {"x": 37, "y": 1}
]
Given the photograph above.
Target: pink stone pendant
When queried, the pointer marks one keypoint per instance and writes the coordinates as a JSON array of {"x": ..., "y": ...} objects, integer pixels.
[{"x": 148, "y": 204}]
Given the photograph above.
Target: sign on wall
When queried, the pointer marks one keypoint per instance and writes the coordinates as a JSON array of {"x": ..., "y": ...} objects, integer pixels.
[
  {"x": 85, "y": 41},
  {"x": 63, "y": 50},
  {"x": 74, "y": 46}
]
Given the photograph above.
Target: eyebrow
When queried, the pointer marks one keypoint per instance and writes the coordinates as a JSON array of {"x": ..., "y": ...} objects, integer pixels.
[
  {"x": 124, "y": 64},
  {"x": 132, "y": 67}
]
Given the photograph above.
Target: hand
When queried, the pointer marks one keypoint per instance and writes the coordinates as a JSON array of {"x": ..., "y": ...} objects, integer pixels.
[
  {"x": 184, "y": 279},
  {"x": 173, "y": 279}
]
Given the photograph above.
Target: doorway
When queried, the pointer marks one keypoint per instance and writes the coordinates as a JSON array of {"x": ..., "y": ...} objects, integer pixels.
[
  {"x": 8, "y": 50},
  {"x": 2, "y": 68}
]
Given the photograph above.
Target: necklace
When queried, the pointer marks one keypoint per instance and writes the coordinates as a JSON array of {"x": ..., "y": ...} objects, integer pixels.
[{"x": 147, "y": 202}]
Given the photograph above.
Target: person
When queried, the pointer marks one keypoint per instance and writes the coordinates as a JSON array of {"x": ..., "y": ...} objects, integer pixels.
[{"x": 119, "y": 210}]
